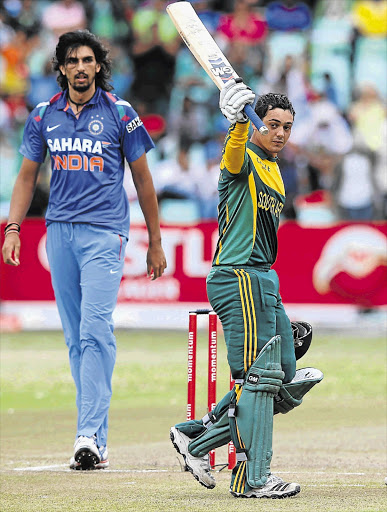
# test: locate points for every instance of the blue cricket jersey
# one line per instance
(87, 157)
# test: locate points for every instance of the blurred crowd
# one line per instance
(328, 56)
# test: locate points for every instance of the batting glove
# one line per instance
(233, 98)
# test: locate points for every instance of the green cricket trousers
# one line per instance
(249, 306)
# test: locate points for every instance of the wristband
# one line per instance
(9, 226)
(11, 231)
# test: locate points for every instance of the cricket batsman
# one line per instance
(243, 289)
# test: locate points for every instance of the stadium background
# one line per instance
(329, 56)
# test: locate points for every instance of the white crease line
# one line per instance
(41, 468)
(336, 485)
(66, 468)
(317, 473)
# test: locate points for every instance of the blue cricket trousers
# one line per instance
(86, 264)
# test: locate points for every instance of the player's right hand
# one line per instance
(233, 97)
(11, 249)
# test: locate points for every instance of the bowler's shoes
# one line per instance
(86, 453)
(274, 488)
(103, 451)
(198, 466)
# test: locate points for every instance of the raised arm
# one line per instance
(142, 178)
(22, 195)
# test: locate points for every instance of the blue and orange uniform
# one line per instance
(87, 231)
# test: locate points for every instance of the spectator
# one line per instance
(190, 80)
(370, 17)
(275, 45)
(290, 79)
(190, 127)
(323, 138)
(6, 31)
(176, 178)
(368, 110)
(381, 175)
(64, 16)
(208, 16)
(154, 50)
(247, 62)
(354, 186)
(27, 18)
(13, 79)
(329, 89)
(288, 15)
(244, 24)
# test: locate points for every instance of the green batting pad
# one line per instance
(210, 437)
(254, 413)
(290, 395)
(191, 428)
(216, 435)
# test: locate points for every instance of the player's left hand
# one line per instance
(233, 97)
(155, 261)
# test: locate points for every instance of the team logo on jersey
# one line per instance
(95, 127)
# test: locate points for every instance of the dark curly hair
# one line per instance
(72, 40)
(271, 101)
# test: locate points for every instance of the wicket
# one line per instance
(212, 371)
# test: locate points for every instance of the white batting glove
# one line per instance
(233, 98)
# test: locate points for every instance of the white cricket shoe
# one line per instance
(274, 488)
(86, 453)
(104, 462)
(103, 451)
(198, 466)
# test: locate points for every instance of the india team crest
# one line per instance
(95, 127)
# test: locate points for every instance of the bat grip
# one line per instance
(249, 111)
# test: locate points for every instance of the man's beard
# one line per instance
(81, 88)
(84, 87)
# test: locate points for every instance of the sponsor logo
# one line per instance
(134, 124)
(113, 271)
(50, 128)
(352, 264)
(77, 144)
(95, 127)
(80, 161)
(220, 68)
(253, 378)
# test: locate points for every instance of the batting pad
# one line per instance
(254, 411)
(290, 395)
(216, 435)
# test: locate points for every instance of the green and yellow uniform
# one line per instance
(242, 287)
(251, 198)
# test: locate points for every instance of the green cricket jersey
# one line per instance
(251, 198)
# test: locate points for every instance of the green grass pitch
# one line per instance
(333, 444)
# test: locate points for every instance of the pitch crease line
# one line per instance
(63, 466)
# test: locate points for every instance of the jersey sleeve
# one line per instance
(135, 139)
(234, 149)
(33, 145)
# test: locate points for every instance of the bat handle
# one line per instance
(249, 111)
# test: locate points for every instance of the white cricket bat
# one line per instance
(202, 45)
